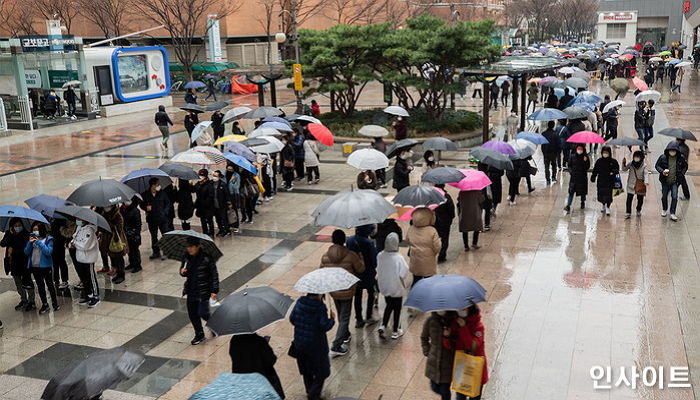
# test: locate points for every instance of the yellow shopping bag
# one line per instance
(467, 373)
(261, 188)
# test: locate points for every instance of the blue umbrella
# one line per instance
(587, 98)
(229, 386)
(26, 215)
(533, 137)
(138, 179)
(241, 150)
(673, 62)
(194, 85)
(277, 125)
(547, 114)
(559, 92)
(47, 205)
(278, 119)
(210, 76)
(445, 292)
(241, 162)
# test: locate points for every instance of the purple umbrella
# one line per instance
(548, 79)
(499, 146)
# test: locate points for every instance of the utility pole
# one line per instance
(295, 37)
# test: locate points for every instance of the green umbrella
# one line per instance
(665, 53)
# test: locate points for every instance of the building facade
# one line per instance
(631, 22)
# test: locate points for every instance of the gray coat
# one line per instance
(634, 175)
(438, 366)
(469, 206)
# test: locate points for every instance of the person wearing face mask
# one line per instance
(469, 207)
(402, 170)
(400, 128)
(671, 167)
(14, 242)
(222, 203)
(685, 152)
(429, 160)
(466, 333)
(132, 230)
(636, 182)
(158, 209)
(424, 244)
(39, 261)
(287, 154)
(579, 163)
(439, 359)
(311, 162)
(185, 205)
(60, 272)
(233, 182)
(605, 170)
(205, 202)
(87, 250)
(367, 180)
(649, 126)
(217, 124)
(117, 246)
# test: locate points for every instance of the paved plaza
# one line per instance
(565, 293)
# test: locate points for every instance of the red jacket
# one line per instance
(469, 338)
(315, 110)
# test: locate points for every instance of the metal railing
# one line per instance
(3, 119)
(25, 111)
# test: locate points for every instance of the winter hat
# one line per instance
(391, 243)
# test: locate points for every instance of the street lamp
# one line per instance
(282, 37)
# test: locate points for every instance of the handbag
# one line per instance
(115, 244)
(288, 164)
(617, 186)
(640, 187)
(467, 373)
(533, 170)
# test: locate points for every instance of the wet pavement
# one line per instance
(565, 293)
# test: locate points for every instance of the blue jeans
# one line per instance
(665, 189)
(641, 132)
(648, 134)
(443, 389)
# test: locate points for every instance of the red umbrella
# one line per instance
(640, 84)
(321, 133)
(585, 137)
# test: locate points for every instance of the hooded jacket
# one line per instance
(339, 256)
(681, 163)
(311, 322)
(424, 243)
(46, 249)
(604, 171)
(384, 228)
(578, 169)
(86, 246)
(392, 269)
(162, 118)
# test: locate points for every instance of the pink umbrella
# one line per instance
(585, 137)
(408, 215)
(640, 84)
(547, 79)
(473, 180)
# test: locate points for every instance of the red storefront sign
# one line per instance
(618, 17)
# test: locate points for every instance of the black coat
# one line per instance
(221, 196)
(162, 119)
(18, 260)
(217, 124)
(444, 214)
(552, 147)
(604, 172)
(578, 169)
(287, 153)
(383, 230)
(161, 207)
(191, 120)
(496, 176)
(183, 198)
(401, 172)
(202, 276)
(69, 96)
(132, 222)
(252, 353)
(681, 163)
(205, 199)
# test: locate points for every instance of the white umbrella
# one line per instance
(199, 129)
(368, 159)
(683, 64)
(192, 157)
(396, 110)
(326, 280)
(373, 131)
(612, 104)
(273, 145)
(213, 153)
(655, 59)
(71, 83)
(264, 132)
(522, 144)
(309, 118)
(566, 70)
(236, 113)
(648, 95)
(353, 208)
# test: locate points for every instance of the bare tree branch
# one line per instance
(17, 18)
(108, 15)
(265, 20)
(66, 10)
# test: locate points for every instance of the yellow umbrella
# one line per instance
(227, 138)
(560, 50)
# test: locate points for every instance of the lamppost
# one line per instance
(281, 37)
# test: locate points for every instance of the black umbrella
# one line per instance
(179, 171)
(216, 106)
(419, 196)
(626, 141)
(678, 133)
(47, 205)
(262, 112)
(174, 244)
(248, 311)
(400, 145)
(140, 179)
(101, 193)
(90, 377)
(193, 107)
(442, 175)
(491, 157)
(440, 144)
(87, 215)
(254, 142)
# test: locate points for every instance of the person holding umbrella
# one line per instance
(222, 203)
(311, 160)
(217, 124)
(640, 119)
(393, 279)
(251, 353)
(636, 182)
(132, 231)
(649, 126)
(550, 153)
(14, 241)
(424, 243)
(379, 145)
(288, 162)
(466, 333)
(469, 207)
(191, 96)
(191, 120)
(579, 163)
(116, 242)
(444, 214)
(211, 90)
(205, 202)
(439, 359)
(38, 250)
(361, 244)
(162, 121)
(185, 206)
(202, 284)
(611, 122)
(157, 206)
(400, 128)
(671, 166)
(299, 155)
(70, 97)
(605, 170)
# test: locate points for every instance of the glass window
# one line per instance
(616, 31)
(133, 73)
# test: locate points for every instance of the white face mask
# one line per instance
(441, 313)
(672, 153)
(158, 188)
(215, 179)
(79, 223)
(431, 159)
(462, 313)
(605, 155)
(579, 152)
(637, 159)
(35, 233)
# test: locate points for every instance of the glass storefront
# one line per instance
(654, 35)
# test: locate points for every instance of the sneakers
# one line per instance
(627, 215)
(94, 302)
(380, 332)
(639, 213)
(549, 182)
(371, 321)
(79, 286)
(338, 351)
(44, 309)
(607, 210)
(475, 247)
(20, 305)
(583, 205)
(63, 285)
(397, 334)
(554, 181)
(602, 210)
(316, 181)
(163, 257)
(309, 182)
(289, 189)
(347, 339)
(198, 339)
(136, 269)
(529, 190)
(117, 280)
(487, 228)
(359, 324)
(128, 267)
(84, 302)
(664, 213)
(112, 272)
(673, 217)
(29, 307)
(56, 307)
(512, 202)
(567, 209)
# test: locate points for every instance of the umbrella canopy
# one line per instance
(199, 129)
(321, 133)
(309, 118)
(292, 117)
(241, 162)
(211, 152)
(277, 126)
(418, 196)
(589, 97)
(88, 378)
(397, 147)
(640, 84)
(647, 95)
(216, 106)
(228, 138)
(548, 79)
(179, 171)
(396, 110)
(576, 112)
(248, 311)
(678, 133)
(665, 53)
(533, 137)
(440, 144)
(585, 137)
(47, 205)
(350, 209)
(491, 158)
(444, 293)
(614, 103)
(87, 215)
(192, 157)
(101, 193)
(236, 113)
(368, 159)
(26, 216)
(499, 146)
(442, 175)
(576, 83)
(173, 244)
(277, 119)
(655, 59)
(626, 141)
(326, 280)
(258, 141)
(71, 83)
(547, 114)
(229, 386)
(273, 145)
(684, 64)
(193, 107)
(194, 85)
(559, 93)
(241, 150)
(264, 131)
(262, 112)
(138, 179)
(620, 85)
(473, 180)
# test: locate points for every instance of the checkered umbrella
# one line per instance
(174, 244)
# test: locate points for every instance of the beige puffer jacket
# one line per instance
(424, 243)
